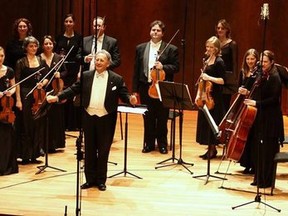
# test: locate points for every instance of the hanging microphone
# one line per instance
(265, 11)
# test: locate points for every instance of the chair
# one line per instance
(280, 157)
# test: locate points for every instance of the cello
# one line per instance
(241, 125)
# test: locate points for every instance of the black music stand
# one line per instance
(215, 130)
(175, 96)
(128, 109)
(42, 113)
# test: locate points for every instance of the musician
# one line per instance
(101, 90)
(229, 54)
(103, 42)
(267, 130)
(8, 153)
(213, 72)
(64, 42)
(56, 131)
(32, 139)
(246, 80)
(155, 119)
(22, 28)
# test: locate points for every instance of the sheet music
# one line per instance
(211, 120)
(135, 110)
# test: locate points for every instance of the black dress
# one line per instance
(72, 64)
(267, 130)
(32, 138)
(56, 134)
(204, 133)
(8, 151)
(246, 159)
(229, 56)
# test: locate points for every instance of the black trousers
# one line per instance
(98, 137)
(155, 119)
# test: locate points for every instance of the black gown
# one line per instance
(204, 133)
(56, 125)
(72, 64)
(267, 130)
(32, 138)
(8, 149)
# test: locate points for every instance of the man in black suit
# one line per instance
(103, 42)
(157, 55)
(101, 91)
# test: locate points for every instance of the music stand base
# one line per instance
(42, 168)
(125, 172)
(258, 200)
(179, 161)
(208, 176)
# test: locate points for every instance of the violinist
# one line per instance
(155, 119)
(56, 112)
(214, 73)
(267, 130)
(246, 80)
(8, 158)
(32, 139)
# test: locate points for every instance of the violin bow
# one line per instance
(57, 65)
(168, 44)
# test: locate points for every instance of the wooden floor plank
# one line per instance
(170, 190)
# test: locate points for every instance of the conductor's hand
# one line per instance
(52, 99)
(133, 100)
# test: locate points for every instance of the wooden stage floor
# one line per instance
(170, 190)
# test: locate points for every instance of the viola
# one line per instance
(7, 115)
(204, 89)
(156, 76)
(39, 97)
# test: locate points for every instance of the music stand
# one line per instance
(175, 96)
(43, 112)
(215, 130)
(128, 109)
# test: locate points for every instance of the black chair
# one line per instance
(280, 157)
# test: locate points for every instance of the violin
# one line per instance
(39, 97)
(7, 115)
(57, 85)
(156, 76)
(204, 88)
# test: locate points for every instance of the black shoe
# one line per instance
(212, 154)
(254, 183)
(102, 187)
(252, 171)
(87, 185)
(246, 170)
(25, 161)
(147, 149)
(204, 155)
(163, 150)
(35, 161)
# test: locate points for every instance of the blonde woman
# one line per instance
(213, 72)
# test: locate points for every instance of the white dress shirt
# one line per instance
(98, 93)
